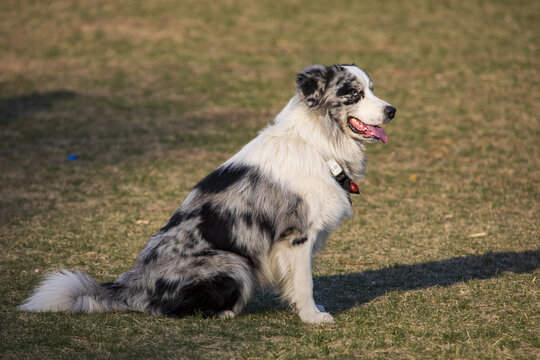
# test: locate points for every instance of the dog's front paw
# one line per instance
(316, 317)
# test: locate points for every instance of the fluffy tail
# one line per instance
(74, 292)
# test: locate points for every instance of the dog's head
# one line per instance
(344, 94)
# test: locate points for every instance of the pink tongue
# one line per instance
(378, 132)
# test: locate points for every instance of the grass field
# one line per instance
(442, 258)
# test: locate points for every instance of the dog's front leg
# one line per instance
(302, 286)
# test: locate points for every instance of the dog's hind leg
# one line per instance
(291, 262)
(215, 285)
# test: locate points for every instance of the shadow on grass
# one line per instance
(343, 292)
(17, 106)
(105, 129)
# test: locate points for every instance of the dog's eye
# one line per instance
(357, 94)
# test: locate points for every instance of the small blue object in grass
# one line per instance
(72, 157)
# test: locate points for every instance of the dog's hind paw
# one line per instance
(226, 314)
(316, 317)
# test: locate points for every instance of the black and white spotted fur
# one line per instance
(252, 222)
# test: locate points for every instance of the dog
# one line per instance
(255, 220)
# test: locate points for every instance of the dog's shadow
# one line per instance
(342, 292)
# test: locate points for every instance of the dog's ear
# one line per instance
(312, 82)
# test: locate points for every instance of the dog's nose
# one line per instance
(390, 111)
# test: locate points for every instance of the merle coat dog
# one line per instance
(255, 220)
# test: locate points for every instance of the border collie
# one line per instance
(255, 220)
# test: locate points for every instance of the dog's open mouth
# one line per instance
(371, 132)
